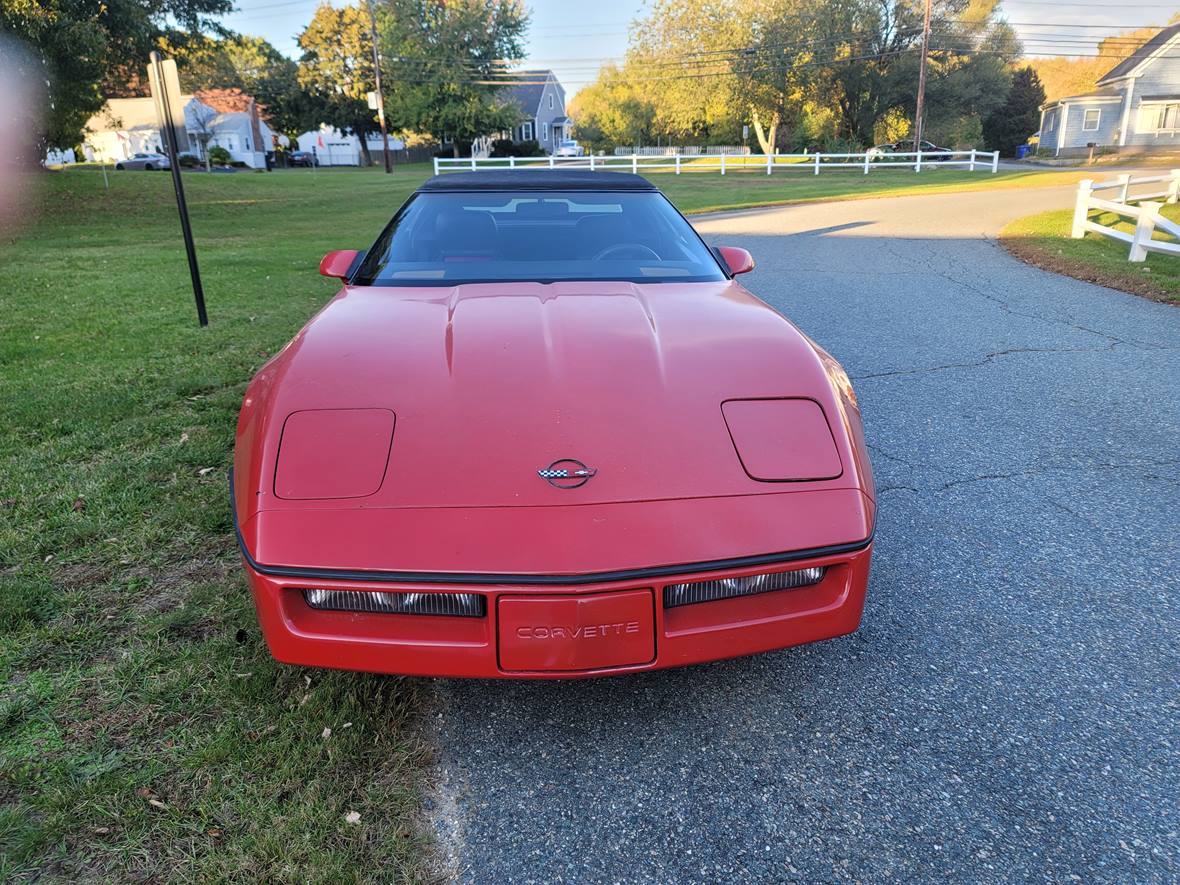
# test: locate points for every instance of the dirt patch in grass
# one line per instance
(1043, 241)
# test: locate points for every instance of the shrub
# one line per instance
(219, 156)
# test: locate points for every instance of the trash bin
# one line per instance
(1023, 151)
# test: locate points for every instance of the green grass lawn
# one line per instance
(1044, 240)
(145, 734)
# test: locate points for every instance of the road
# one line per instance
(1008, 711)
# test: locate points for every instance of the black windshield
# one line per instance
(447, 238)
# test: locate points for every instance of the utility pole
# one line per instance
(377, 83)
(921, 107)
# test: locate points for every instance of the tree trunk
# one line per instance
(766, 139)
(366, 157)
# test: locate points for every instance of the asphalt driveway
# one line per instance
(1009, 710)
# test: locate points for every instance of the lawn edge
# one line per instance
(1032, 253)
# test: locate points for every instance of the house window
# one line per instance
(544, 131)
(550, 102)
(1157, 117)
(526, 132)
(1090, 120)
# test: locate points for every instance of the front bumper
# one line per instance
(554, 631)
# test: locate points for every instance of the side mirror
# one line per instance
(337, 264)
(737, 260)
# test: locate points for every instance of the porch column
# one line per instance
(1126, 113)
(1064, 115)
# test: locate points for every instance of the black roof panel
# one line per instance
(536, 180)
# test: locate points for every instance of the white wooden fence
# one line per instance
(1143, 208)
(917, 161)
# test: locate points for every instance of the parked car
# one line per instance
(569, 148)
(938, 154)
(302, 158)
(144, 161)
(542, 431)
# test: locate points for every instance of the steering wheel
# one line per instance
(644, 251)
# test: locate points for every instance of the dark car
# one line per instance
(931, 153)
(302, 158)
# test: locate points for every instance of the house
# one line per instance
(541, 100)
(213, 118)
(1134, 110)
(333, 148)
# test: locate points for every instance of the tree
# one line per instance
(612, 112)
(87, 50)
(336, 71)
(1013, 122)
(252, 65)
(448, 63)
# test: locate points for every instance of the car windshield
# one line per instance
(440, 239)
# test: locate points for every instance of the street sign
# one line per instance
(170, 115)
(372, 101)
(165, 82)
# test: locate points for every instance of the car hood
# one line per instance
(490, 383)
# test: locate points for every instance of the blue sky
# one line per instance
(573, 36)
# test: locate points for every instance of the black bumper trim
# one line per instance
(637, 574)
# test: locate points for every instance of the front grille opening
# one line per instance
(728, 588)
(464, 605)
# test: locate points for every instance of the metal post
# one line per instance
(181, 206)
(920, 107)
(1081, 208)
(377, 84)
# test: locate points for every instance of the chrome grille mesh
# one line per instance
(468, 605)
(727, 588)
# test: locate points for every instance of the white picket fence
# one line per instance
(917, 161)
(1143, 208)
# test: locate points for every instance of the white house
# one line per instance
(224, 118)
(1134, 110)
(333, 148)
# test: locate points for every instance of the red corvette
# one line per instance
(542, 432)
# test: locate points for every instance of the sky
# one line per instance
(572, 37)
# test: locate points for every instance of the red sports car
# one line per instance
(542, 432)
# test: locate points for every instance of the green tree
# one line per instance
(87, 50)
(254, 66)
(1013, 122)
(611, 112)
(447, 65)
(336, 72)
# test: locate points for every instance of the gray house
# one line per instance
(542, 101)
(1135, 109)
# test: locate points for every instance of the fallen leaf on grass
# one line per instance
(353, 817)
(79, 505)
(205, 471)
(327, 733)
(156, 803)
(102, 831)
(8, 503)
(183, 438)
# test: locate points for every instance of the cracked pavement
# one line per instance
(1009, 709)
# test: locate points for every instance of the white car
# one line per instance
(144, 161)
(568, 148)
